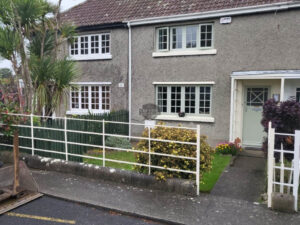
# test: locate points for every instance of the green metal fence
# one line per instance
(89, 124)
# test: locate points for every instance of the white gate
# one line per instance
(283, 173)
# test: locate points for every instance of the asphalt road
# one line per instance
(52, 211)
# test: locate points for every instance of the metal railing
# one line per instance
(102, 133)
(285, 183)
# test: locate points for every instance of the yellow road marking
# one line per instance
(41, 218)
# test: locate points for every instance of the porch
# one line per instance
(249, 91)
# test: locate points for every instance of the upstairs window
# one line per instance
(190, 37)
(90, 47)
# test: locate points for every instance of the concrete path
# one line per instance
(206, 209)
(245, 180)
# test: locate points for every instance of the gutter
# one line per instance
(129, 76)
(218, 13)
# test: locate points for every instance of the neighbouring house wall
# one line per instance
(254, 42)
(113, 70)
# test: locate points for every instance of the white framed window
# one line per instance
(191, 99)
(186, 38)
(163, 39)
(89, 47)
(93, 97)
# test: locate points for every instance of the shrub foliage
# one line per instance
(183, 135)
(285, 118)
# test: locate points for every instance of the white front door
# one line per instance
(253, 132)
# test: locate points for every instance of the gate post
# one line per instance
(198, 160)
(271, 141)
(296, 167)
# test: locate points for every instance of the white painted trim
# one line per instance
(282, 89)
(185, 52)
(267, 76)
(205, 119)
(218, 13)
(86, 112)
(90, 57)
(185, 83)
(91, 83)
(232, 104)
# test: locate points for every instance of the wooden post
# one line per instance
(16, 183)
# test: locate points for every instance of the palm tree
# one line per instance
(30, 38)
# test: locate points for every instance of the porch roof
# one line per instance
(267, 74)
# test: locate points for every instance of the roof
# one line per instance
(97, 12)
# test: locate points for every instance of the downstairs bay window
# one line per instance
(192, 100)
(89, 98)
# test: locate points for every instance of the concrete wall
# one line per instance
(113, 70)
(256, 42)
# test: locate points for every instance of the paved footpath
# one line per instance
(205, 209)
(245, 180)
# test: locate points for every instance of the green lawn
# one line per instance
(209, 179)
(118, 155)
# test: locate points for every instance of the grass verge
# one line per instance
(117, 155)
(209, 179)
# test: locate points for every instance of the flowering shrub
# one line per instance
(183, 135)
(232, 148)
(10, 103)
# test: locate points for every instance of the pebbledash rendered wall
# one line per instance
(253, 42)
(113, 70)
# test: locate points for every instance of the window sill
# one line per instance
(90, 57)
(73, 112)
(184, 53)
(205, 119)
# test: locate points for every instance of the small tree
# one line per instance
(30, 35)
(10, 104)
(285, 118)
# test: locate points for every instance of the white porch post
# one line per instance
(232, 108)
(282, 89)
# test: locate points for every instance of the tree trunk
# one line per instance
(16, 183)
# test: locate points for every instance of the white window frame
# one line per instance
(182, 107)
(168, 39)
(80, 111)
(91, 56)
(184, 48)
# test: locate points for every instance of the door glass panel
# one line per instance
(257, 96)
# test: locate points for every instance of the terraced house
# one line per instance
(213, 62)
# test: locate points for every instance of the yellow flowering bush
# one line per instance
(232, 148)
(177, 134)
